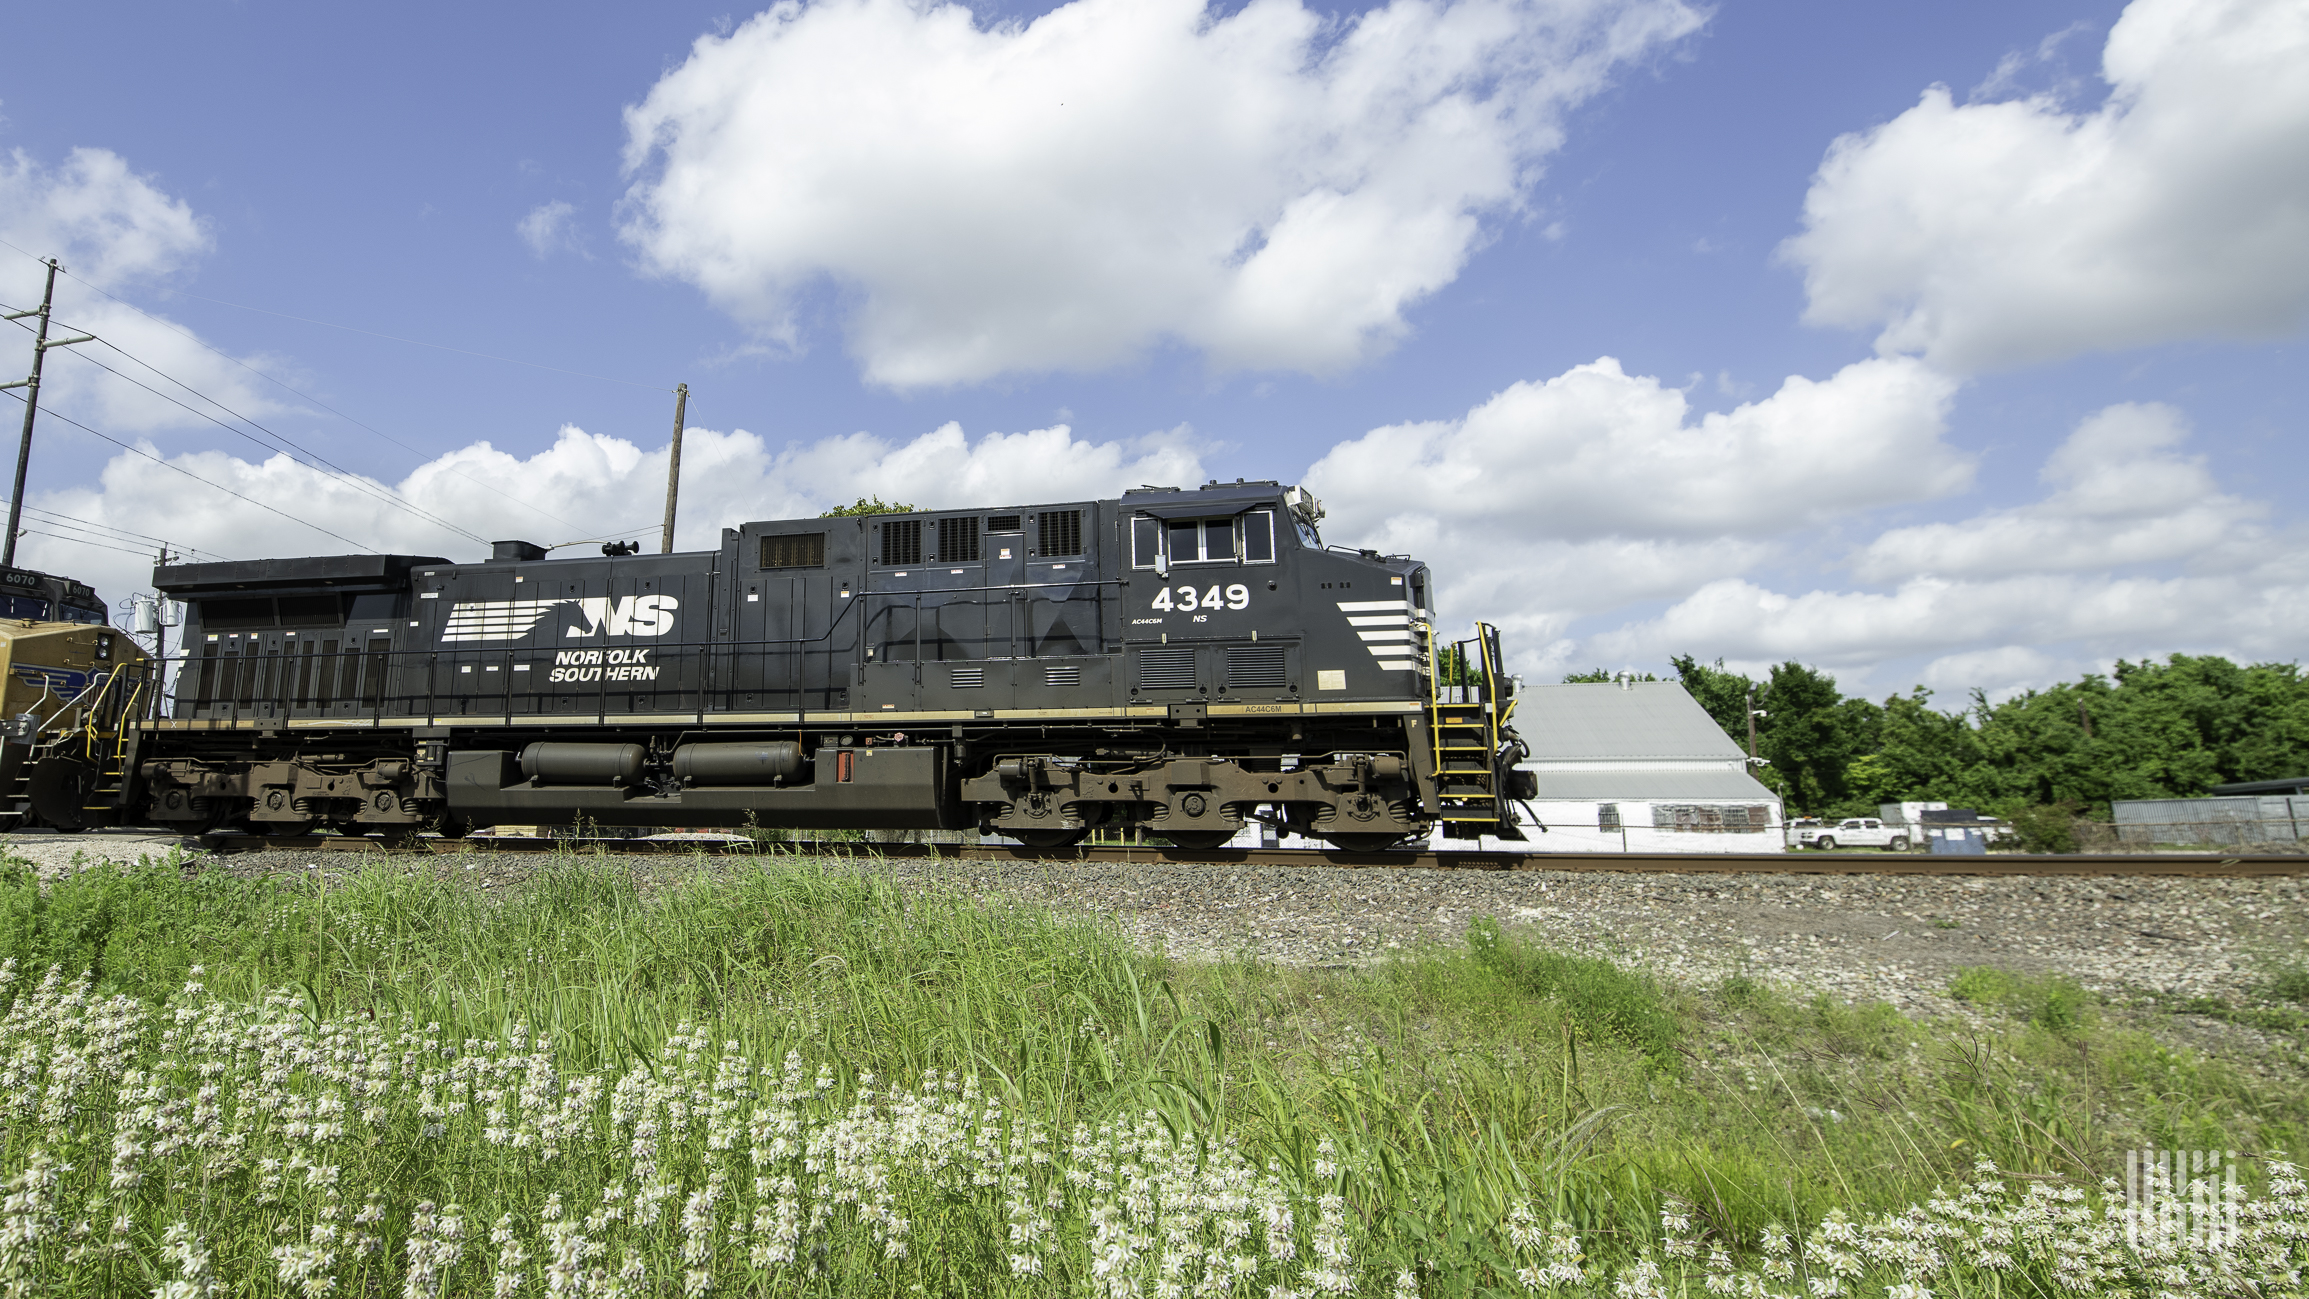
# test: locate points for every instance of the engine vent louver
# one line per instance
(1166, 669)
(1257, 668)
(1060, 532)
(1069, 675)
(969, 678)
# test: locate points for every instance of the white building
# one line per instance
(1638, 766)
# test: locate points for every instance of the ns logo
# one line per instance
(498, 621)
(633, 615)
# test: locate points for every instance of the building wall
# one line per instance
(1580, 826)
(2239, 820)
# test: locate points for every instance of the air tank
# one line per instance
(551, 762)
(772, 762)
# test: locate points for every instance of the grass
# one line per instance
(1429, 1096)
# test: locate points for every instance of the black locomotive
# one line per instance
(1180, 661)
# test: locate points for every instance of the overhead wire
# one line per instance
(198, 341)
(208, 482)
(102, 533)
(81, 541)
(280, 443)
(55, 519)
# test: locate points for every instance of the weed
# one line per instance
(2048, 1002)
(2291, 983)
(1605, 1001)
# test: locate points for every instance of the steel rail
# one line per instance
(2209, 865)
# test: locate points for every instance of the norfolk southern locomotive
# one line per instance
(1175, 661)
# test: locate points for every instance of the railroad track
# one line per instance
(1793, 863)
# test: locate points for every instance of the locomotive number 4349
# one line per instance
(1187, 599)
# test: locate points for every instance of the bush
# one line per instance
(2050, 828)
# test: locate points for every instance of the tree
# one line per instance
(1812, 733)
(1724, 694)
(1922, 753)
(1601, 676)
(869, 505)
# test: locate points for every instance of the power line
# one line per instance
(279, 442)
(119, 533)
(219, 486)
(79, 541)
(198, 341)
(106, 533)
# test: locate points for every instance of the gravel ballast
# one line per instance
(1854, 937)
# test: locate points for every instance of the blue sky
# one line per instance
(2041, 331)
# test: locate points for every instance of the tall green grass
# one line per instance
(1468, 1077)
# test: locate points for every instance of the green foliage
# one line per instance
(2048, 1002)
(2152, 729)
(1602, 676)
(1810, 734)
(869, 505)
(1603, 1000)
(2291, 983)
(2045, 829)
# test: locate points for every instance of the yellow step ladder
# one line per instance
(1463, 698)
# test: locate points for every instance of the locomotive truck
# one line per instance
(1179, 662)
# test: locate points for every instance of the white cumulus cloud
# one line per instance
(1990, 235)
(1264, 185)
(2121, 496)
(1569, 497)
(2133, 551)
(114, 229)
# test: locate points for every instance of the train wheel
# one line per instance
(1198, 840)
(1048, 839)
(1362, 842)
(454, 827)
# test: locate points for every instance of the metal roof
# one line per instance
(1725, 786)
(1644, 719)
(2294, 785)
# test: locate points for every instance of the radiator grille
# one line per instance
(966, 678)
(1257, 668)
(957, 541)
(1061, 532)
(1002, 523)
(902, 541)
(1070, 675)
(1167, 669)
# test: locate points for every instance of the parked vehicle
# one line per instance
(1853, 832)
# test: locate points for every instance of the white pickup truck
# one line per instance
(1852, 832)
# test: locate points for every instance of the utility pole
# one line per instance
(160, 635)
(673, 472)
(1751, 723)
(31, 407)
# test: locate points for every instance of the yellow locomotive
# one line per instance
(71, 690)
